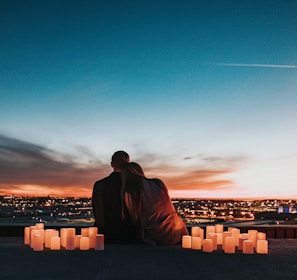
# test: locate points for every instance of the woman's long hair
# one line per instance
(132, 182)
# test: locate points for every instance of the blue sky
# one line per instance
(201, 93)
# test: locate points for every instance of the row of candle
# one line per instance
(39, 238)
(229, 240)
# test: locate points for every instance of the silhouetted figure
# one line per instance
(107, 204)
(150, 208)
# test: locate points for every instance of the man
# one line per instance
(107, 204)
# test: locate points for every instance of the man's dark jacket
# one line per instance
(107, 210)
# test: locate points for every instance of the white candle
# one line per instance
(49, 233)
(55, 243)
(219, 238)
(27, 235)
(186, 241)
(261, 236)
(196, 242)
(213, 237)
(262, 246)
(70, 239)
(253, 236)
(84, 243)
(63, 234)
(31, 229)
(77, 241)
(207, 245)
(210, 229)
(39, 225)
(99, 245)
(202, 233)
(235, 233)
(195, 231)
(242, 237)
(219, 228)
(225, 234)
(93, 231)
(37, 238)
(229, 245)
(85, 232)
(247, 247)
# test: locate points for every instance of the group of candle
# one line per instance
(229, 241)
(39, 238)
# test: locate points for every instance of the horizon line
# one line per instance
(255, 65)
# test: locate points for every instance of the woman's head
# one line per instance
(134, 168)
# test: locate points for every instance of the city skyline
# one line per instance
(202, 94)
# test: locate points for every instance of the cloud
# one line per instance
(24, 165)
(255, 65)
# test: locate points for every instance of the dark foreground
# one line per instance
(18, 261)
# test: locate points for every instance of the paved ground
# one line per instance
(18, 261)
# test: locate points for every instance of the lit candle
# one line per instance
(39, 226)
(262, 246)
(229, 245)
(77, 241)
(210, 229)
(55, 243)
(235, 233)
(196, 242)
(93, 231)
(242, 237)
(99, 245)
(247, 247)
(225, 234)
(37, 238)
(207, 245)
(49, 233)
(195, 231)
(31, 229)
(85, 232)
(253, 236)
(219, 228)
(27, 235)
(70, 239)
(219, 238)
(84, 243)
(213, 237)
(63, 234)
(261, 236)
(202, 233)
(186, 241)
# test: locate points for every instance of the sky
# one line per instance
(202, 94)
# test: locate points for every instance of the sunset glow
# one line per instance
(202, 94)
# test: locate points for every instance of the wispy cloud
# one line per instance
(255, 65)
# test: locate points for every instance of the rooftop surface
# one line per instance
(18, 261)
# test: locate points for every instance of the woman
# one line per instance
(147, 204)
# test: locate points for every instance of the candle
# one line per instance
(85, 232)
(210, 229)
(247, 247)
(262, 246)
(84, 243)
(202, 233)
(70, 239)
(93, 231)
(207, 245)
(195, 231)
(55, 243)
(219, 228)
(186, 241)
(77, 241)
(31, 229)
(196, 242)
(225, 234)
(242, 237)
(27, 235)
(213, 237)
(48, 234)
(63, 234)
(235, 233)
(219, 238)
(253, 236)
(37, 238)
(39, 226)
(229, 245)
(261, 236)
(99, 245)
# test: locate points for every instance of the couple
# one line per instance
(130, 208)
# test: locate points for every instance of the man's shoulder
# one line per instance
(107, 180)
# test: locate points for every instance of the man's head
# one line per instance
(119, 159)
